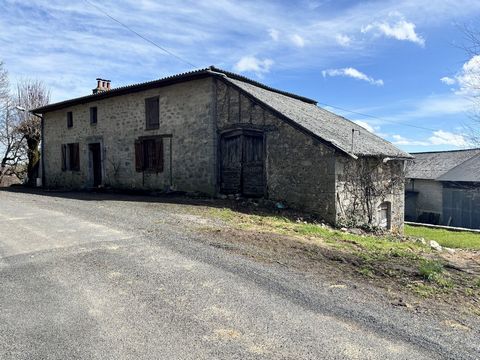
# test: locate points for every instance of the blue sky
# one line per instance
(401, 62)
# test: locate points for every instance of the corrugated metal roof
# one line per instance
(432, 165)
(300, 111)
(468, 171)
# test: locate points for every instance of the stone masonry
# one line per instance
(300, 170)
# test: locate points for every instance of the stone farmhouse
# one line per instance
(217, 132)
(443, 188)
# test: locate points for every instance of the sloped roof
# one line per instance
(432, 165)
(468, 171)
(300, 111)
(327, 126)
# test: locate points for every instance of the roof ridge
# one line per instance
(121, 90)
(445, 151)
(451, 170)
(262, 85)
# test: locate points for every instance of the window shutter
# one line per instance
(152, 113)
(76, 157)
(64, 157)
(138, 156)
(159, 154)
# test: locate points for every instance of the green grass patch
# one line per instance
(448, 238)
(368, 247)
(371, 256)
(429, 269)
(422, 290)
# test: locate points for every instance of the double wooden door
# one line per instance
(242, 163)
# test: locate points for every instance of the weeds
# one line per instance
(430, 269)
(371, 255)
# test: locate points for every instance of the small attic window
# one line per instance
(69, 119)
(93, 115)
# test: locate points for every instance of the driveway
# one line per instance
(88, 276)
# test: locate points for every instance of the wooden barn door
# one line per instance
(252, 167)
(231, 163)
(242, 163)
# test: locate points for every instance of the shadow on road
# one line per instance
(260, 207)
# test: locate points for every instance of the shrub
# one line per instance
(430, 269)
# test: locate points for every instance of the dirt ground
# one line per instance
(397, 277)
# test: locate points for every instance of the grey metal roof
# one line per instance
(432, 165)
(300, 111)
(468, 171)
(327, 126)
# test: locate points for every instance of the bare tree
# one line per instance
(11, 141)
(12, 145)
(469, 81)
(31, 94)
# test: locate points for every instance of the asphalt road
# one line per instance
(118, 277)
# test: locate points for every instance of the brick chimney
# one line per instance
(102, 85)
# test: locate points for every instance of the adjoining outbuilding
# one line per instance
(443, 188)
(216, 132)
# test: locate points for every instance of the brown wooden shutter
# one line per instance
(138, 156)
(152, 113)
(64, 157)
(159, 154)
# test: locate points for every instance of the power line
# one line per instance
(140, 35)
(378, 118)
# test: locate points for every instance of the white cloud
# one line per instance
(400, 30)
(448, 80)
(438, 137)
(79, 49)
(297, 40)
(343, 40)
(365, 125)
(253, 64)
(353, 73)
(468, 78)
(441, 137)
(274, 34)
(400, 140)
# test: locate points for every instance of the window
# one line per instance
(93, 115)
(152, 113)
(71, 157)
(149, 154)
(69, 119)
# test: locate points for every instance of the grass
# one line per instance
(429, 269)
(407, 262)
(368, 247)
(448, 238)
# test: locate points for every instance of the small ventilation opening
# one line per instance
(384, 215)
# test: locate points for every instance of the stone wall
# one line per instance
(185, 115)
(365, 183)
(299, 170)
